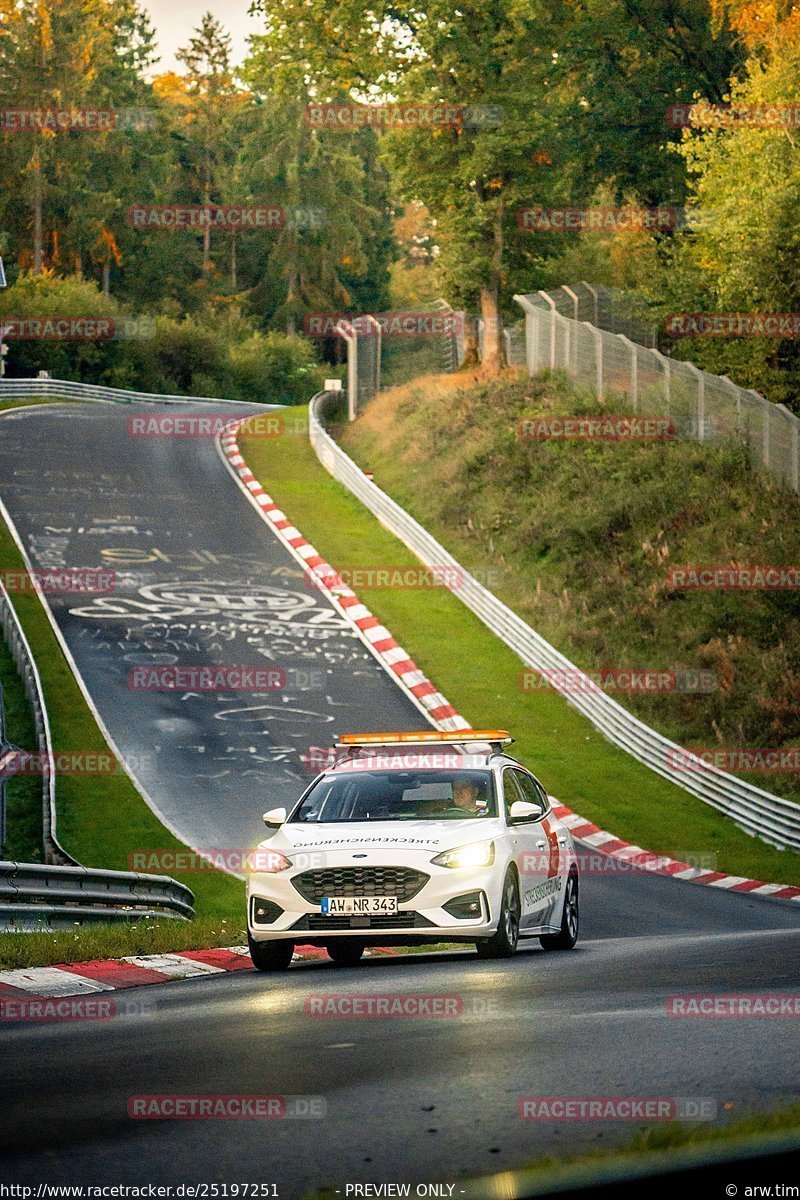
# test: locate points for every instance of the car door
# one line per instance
(530, 849)
(552, 843)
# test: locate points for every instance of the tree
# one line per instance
(746, 177)
(333, 253)
(70, 56)
(591, 79)
(214, 100)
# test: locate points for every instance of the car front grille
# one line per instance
(399, 920)
(402, 882)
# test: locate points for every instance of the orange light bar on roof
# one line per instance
(458, 737)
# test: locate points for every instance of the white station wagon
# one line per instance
(414, 838)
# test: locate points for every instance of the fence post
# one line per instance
(552, 306)
(598, 358)
(765, 409)
(346, 330)
(531, 332)
(700, 418)
(378, 345)
(575, 301)
(738, 397)
(665, 369)
(453, 342)
(593, 293)
(570, 339)
(634, 371)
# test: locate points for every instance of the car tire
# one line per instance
(345, 952)
(503, 943)
(570, 920)
(271, 956)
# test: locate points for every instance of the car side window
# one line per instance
(531, 792)
(542, 794)
(511, 792)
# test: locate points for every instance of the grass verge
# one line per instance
(670, 1137)
(480, 676)
(579, 536)
(90, 942)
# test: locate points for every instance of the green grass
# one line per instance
(579, 538)
(91, 942)
(102, 818)
(479, 676)
(657, 1144)
(23, 792)
(674, 1136)
(32, 401)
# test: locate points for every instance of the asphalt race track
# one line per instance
(407, 1099)
(200, 580)
(414, 1099)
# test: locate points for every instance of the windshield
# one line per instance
(399, 796)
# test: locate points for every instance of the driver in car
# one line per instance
(465, 795)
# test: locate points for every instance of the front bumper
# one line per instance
(423, 917)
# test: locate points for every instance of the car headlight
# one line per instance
(477, 854)
(268, 862)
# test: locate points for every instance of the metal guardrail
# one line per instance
(759, 813)
(17, 643)
(703, 407)
(46, 897)
(13, 389)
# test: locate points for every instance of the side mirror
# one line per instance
(522, 811)
(275, 818)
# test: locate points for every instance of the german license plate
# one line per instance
(365, 906)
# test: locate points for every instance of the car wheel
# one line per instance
(271, 956)
(503, 943)
(344, 952)
(570, 916)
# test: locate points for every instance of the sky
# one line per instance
(174, 21)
